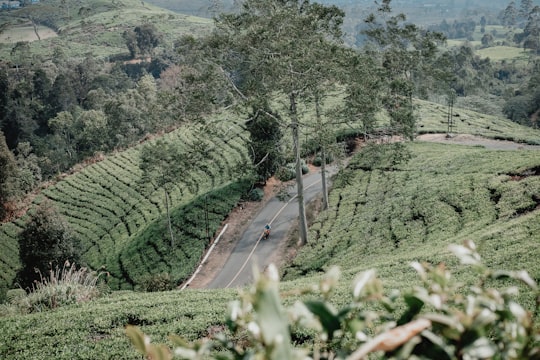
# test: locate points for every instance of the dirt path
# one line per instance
(466, 139)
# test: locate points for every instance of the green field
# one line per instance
(108, 208)
(94, 29)
(120, 220)
(381, 216)
(445, 194)
(499, 50)
(378, 218)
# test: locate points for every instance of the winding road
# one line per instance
(251, 249)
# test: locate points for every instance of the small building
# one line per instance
(6, 5)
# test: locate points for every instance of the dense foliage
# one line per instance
(444, 179)
(58, 287)
(46, 242)
(283, 61)
(435, 320)
(109, 204)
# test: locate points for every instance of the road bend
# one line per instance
(251, 250)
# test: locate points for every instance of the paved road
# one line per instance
(251, 249)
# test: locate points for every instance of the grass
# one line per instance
(500, 50)
(378, 219)
(61, 287)
(97, 329)
(386, 219)
(432, 118)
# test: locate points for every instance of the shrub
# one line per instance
(288, 172)
(46, 239)
(256, 194)
(435, 320)
(65, 286)
(285, 173)
(317, 161)
(157, 282)
(382, 156)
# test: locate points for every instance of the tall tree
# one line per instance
(510, 14)
(531, 33)
(8, 171)
(28, 167)
(275, 49)
(148, 38)
(4, 95)
(62, 96)
(161, 164)
(46, 242)
(405, 52)
(525, 8)
(142, 40)
(266, 136)
(363, 89)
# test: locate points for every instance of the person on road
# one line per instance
(267, 228)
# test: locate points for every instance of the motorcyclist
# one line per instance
(267, 228)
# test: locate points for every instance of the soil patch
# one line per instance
(25, 33)
(466, 139)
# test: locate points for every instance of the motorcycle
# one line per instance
(266, 232)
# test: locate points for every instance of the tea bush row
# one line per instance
(443, 193)
(107, 200)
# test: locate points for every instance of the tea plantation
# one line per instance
(379, 218)
(119, 218)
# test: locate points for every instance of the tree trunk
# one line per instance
(323, 154)
(299, 181)
(169, 218)
(323, 178)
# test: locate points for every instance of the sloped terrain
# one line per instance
(385, 218)
(94, 27)
(117, 217)
(378, 219)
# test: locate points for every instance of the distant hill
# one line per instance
(409, 7)
(94, 27)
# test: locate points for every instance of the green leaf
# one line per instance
(449, 321)
(361, 281)
(271, 318)
(481, 348)
(328, 318)
(137, 338)
(415, 304)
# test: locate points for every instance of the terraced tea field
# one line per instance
(385, 218)
(116, 215)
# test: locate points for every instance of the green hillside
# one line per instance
(390, 205)
(114, 216)
(385, 218)
(119, 219)
(92, 28)
(378, 218)
(433, 118)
